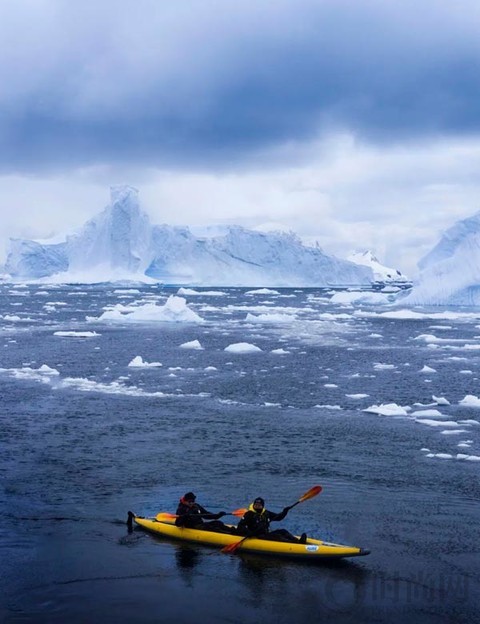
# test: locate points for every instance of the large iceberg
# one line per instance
(450, 273)
(121, 243)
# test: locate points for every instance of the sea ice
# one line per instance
(138, 362)
(193, 344)
(242, 347)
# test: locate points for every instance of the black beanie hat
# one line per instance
(259, 500)
(189, 496)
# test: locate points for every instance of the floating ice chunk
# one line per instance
(426, 450)
(330, 407)
(440, 400)
(387, 409)
(46, 370)
(366, 298)
(262, 291)
(465, 372)
(193, 344)
(138, 362)
(76, 334)
(279, 351)
(357, 396)
(436, 423)
(191, 292)
(427, 369)
(210, 368)
(175, 310)
(469, 421)
(470, 400)
(242, 347)
(330, 385)
(472, 458)
(380, 366)
(440, 455)
(453, 431)
(433, 413)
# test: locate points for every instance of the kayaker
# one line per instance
(256, 522)
(191, 515)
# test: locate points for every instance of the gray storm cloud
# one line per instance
(211, 84)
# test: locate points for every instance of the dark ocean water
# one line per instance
(80, 448)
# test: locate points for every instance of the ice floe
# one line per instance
(175, 310)
(76, 334)
(195, 293)
(193, 344)
(138, 362)
(242, 347)
(387, 409)
(262, 291)
(470, 400)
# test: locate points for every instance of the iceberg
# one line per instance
(450, 272)
(121, 243)
(381, 273)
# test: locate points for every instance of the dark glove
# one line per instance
(286, 510)
(221, 514)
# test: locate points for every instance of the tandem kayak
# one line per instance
(312, 549)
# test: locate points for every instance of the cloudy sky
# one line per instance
(353, 122)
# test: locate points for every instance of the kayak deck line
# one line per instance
(312, 549)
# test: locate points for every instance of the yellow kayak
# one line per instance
(313, 549)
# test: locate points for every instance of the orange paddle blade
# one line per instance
(239, 512)
(316, 489)
(231, 548)
(165, 515)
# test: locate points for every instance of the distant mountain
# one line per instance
(121, 243)
(450, 273)
(381, 273)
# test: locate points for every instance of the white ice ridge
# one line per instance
(138, 362)
(262, 291)
(121, 243)
(195, 293)
(175, 310)
(76, 334)
(242, 347)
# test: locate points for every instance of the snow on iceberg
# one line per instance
(450, 272)
(121, 243)
(381, 273)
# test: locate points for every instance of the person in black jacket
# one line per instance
(256, 523)
(191, 515)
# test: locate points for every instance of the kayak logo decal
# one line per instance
(311, 548)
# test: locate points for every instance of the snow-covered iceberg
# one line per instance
(450, 273)
(121, 243)
(381, 273)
